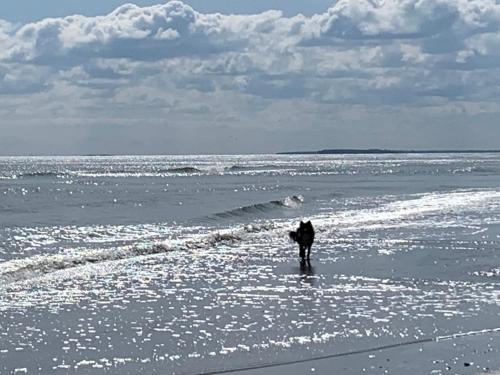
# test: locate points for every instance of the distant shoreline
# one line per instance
(340, 151)
(350, 151)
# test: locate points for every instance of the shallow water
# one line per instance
(182, 264)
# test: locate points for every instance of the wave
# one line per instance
(34, 174)
(484, 170)
(39, 265)
(238, 167)
(293, 201)
(182, 170)
(495, 272)
(431, 209)
(416, 210)
(147, 172)
(25, 269)
(186, 239)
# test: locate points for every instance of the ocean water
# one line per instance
(182, 264)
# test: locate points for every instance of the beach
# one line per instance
(188, 268)
(464, 355)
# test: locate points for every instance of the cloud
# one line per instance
(5, 28)
(405, 19)
(151, 33)
(357, 38)
(19, 79)
(128, 32)
(169, 62)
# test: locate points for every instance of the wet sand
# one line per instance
(231, 307)
(478, 354)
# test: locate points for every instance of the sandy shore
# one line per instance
(227, 307)
(479, 354)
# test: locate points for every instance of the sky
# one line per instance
(234, 76)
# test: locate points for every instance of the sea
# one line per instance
(183, 264)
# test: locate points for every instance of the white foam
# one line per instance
(416, 207)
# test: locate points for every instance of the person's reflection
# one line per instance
(306, 272)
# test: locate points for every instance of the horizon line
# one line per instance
(335, 151)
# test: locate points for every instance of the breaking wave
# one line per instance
(39, 265)
(495, 272)
(293, 201)
(147, 172)
(42, 174)
(182, 170)
(416, 210)
(244, 169)
(19, 270)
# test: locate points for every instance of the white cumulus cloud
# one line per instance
(169, 61)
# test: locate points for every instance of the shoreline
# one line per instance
(469, 354)
(377, 151)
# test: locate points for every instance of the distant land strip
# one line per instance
(353, 151)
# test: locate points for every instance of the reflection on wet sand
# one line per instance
(306, 272)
